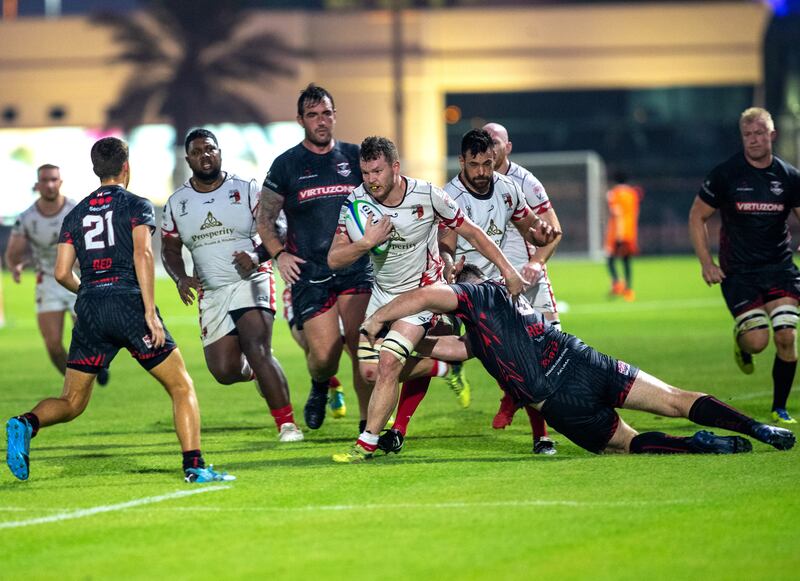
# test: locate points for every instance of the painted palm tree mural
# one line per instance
(195, 62)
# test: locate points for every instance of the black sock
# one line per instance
(782, 378)
(33, 420)
(193, 459)
(660, 443)
(612, 269)
(321, 386)
(626, 264)
(362, 425)
(709, 411)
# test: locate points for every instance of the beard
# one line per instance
(209, 176)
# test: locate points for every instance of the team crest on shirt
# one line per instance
(343, 169)
(418, 210)
(507, 199)
(776, 188)
(182, 204)
(235, 197)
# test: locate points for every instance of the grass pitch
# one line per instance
(461, 502)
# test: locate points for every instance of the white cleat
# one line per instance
(290, 433)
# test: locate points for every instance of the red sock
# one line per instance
(283, 415)
(334, 382)
(439, 369)
(538, 427)
(411, 395)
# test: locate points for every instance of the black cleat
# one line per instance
(391, 441)
(704, 442)
(314, 410)
(544, 446)
(102, 377)
(779, 438)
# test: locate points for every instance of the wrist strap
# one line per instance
(278, 253)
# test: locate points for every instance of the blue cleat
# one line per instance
(18, 447)
(778, 438)
(202, 475)
(705, 442)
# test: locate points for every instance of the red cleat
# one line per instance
(505, 415)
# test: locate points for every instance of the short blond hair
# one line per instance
(754, 114)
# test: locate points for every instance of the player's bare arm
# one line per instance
(15, 255)
(446, 348)
(268, 211)
(63, 273)
(447, 240)
(171, 257)
(486, 246)
(438, 298)
(144, 265)
(532, 271)
(698, 232)
(344, 252)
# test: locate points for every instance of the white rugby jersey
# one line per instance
(492, 212)
(413, 257)
(514, 246)
(42, 234)
(214, 225)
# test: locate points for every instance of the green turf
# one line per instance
(461, 502)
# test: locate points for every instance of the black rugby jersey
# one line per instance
(100, 228)
(528, 357)
(754, 205)
(314, 187)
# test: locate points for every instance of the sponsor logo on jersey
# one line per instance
(394, 236)
(469, 212)
(210, 222)
(776, 188)
(211, 201)
(343, 169)
(757, 207)
(493, 230)
(418, 210)
(322, 191)
(307, 175)
(148, 341)
(182, 204)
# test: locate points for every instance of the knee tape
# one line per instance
(784, 317)
(752, 319)
(397, 345)
(367, 353)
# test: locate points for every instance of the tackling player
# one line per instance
(755, 192)
(109, 233)
(574, 386)
(309, 182)
(412, 212)
(213, 215)
(37, 229)
(529, 260)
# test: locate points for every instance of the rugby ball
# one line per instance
(359, 214)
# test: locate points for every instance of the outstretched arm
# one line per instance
(438, 298)
(486, 246)
(446, 348)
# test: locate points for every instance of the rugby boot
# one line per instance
(314, 410)
(505, 415)
(781, 416)
(779, 438)
(457, 381)
(545, 446)
(203, 475)
(289, 432)
(337, 403)
(355, 455)
(704, 442)
(18, 447)
(744, 360)
(391, 441)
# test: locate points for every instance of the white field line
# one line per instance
(73, 514)
(419, 506)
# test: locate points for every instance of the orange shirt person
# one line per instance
(622, 233)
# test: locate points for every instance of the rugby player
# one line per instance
(309, 182)
(574, 386)
(754, 192)
(213, 215)
(530, 261)
(37, 229)
(622, 234)
(109, 233)
(412, 211)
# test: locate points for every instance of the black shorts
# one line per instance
(104, 325)
(744, 292)
(315, 297)
(582, 409)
